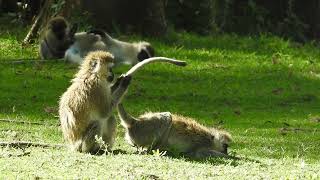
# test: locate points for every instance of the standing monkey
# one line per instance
(174, 133)
(85, 109)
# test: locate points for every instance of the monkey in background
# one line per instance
(85, 109)
(57, 38)
(123, 52)
(174, 133)
(60, 41)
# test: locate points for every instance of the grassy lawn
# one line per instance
(264, 90)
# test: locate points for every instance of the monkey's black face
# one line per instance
(65, 36)
(225, 148)
(110, 75)
(145, 53)
(61, 34)
(66, 40)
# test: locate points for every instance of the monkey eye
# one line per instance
(94, 63)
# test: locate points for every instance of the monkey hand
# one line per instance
(97, 32)
(117, 83)
(122, 81)
(125, 80)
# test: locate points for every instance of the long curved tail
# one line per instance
(126, 119)
(136, 67)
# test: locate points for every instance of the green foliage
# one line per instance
(57, 6)
(292, 26)
(284, 18)
(191, 15)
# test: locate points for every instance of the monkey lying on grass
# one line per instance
(174, 133)
(60, 40)
(123, 52)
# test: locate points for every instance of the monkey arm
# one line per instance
(119, 89)
(116, 84)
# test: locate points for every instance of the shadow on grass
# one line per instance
(229, 160)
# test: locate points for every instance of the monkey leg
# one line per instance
(89, 143)
(109, 132)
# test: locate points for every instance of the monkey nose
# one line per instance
(110, 77)
(225, 149)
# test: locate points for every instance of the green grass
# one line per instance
(264, 90)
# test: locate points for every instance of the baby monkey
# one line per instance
(174, 133)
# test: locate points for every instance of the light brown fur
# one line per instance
(85, 109)
(171, 132)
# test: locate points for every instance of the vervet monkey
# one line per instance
(85, 109)
(123, 52)
(60, 41)
(57, 38)
(174, 133)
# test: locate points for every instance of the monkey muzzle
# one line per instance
(110, 76)
(225, 149)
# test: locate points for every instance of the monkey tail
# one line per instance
(126, 119)
(136, 67)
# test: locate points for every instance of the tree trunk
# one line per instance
(155, 21)
(143, 16)
(37, 22)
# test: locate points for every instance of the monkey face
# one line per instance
(63, 33)
(225, 148)
(58, 38)
(221, 141)
(67, 37)
(110, 75)
(220, 147)
(146, 51)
